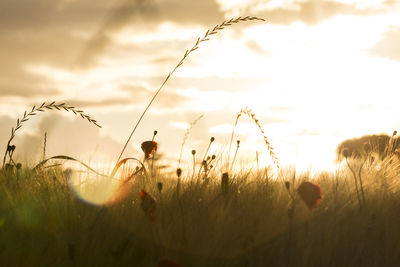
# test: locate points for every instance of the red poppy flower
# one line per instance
(149, 147)
(310, 193)
(149, 204)
(122, 192)
(167, 263)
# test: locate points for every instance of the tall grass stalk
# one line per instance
(248, 112)
(236, 151)
(200, 40)
(186, 136)
(355, 183)
(205, 154)
(42, 108)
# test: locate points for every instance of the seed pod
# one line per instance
(287, 185)
(179, 172)
(225, 183)
(160, 186)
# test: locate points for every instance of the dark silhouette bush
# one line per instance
(382, 145)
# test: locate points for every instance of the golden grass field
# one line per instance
(212, 212)
(43, 223)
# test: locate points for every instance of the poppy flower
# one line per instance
(121, 193)
(149, 204)
(167, 263)
(310, 193)
(149, 147)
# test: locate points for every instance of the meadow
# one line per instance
(253, 222)
(211, 213)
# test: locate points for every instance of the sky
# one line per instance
(314, 74)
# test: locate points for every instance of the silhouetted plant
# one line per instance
(43, 107)
(251, 115)
(225, 184)
(205, 38)
(383, 145)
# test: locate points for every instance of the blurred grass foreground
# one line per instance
(49, 218)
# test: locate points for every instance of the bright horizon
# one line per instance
(315, 74)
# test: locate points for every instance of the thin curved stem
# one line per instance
(355, 182)
(206, 36)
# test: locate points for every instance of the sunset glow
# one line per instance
(315, 73)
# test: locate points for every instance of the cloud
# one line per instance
(63, 34)
(16, 82)
(117, 18)
(133, 95)
(313, 12)
(213, 83)
(388, 46)
(113, 101)
(122, 15)
(254, 46)
(25, 91)
(162, 60)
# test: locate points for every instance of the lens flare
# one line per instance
(99, 189)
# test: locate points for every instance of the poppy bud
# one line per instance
(287, 185)
(148, 204)
(11, 148)
(225, 183)
(179, 172)
(160, 186)
(149, 147)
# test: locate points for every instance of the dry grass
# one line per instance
(186, 136)
(245, 219)
(44, 223)
(199, 40)
(251, 115)
(42, 108)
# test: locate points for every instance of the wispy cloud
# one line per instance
(388, 46)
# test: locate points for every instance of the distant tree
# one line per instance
(382, 145)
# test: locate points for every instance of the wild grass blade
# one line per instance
(205, 38)
(42, 108)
